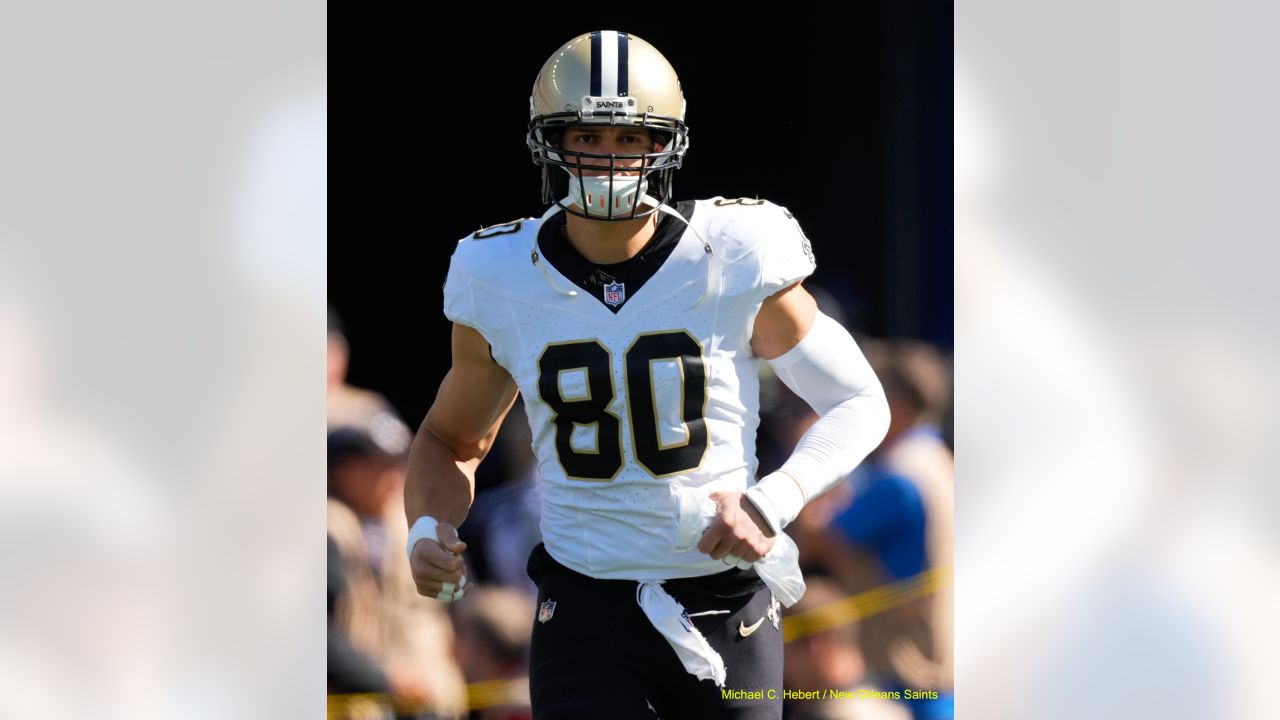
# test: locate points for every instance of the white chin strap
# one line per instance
(596, 202)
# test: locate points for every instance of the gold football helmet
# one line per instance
(608, 78)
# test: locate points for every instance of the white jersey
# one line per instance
(640, 388)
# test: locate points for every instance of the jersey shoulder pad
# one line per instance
(488, 257)
(764, 236)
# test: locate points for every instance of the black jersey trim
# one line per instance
(633, 273)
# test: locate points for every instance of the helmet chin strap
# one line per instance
(537, 260)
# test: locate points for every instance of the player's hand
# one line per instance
(436, 563)
(738, 530)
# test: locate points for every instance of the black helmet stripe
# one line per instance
(595, 64)
(608, 64)
(622, 64)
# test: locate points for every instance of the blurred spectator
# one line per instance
(350, 671)
(493, 626)
(376, 613)
(830, 659)
(350, 406)
(894, 521)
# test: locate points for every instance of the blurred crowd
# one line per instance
(875, 623)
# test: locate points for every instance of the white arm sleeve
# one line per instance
(828, 371)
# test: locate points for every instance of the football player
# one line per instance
(634, 326)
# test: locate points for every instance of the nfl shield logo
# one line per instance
(615, 293)
(546, 611)
(685, 621)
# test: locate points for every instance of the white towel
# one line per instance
(779, 569)
(670, 619)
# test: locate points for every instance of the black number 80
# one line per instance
(590, 408)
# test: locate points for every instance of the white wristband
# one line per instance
(778, 498)
(423, 529)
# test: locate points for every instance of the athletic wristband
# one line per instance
(778, 498)
(423, 528)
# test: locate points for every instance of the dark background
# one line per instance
(843, 117)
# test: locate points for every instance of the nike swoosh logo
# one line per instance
(746, 631)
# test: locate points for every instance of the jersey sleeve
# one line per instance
(484, 271)
(786, 256)
(459, 292)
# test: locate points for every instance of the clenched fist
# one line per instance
(438, 569)
(739, 532)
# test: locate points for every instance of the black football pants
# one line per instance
(598, 656)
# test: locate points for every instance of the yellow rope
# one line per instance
(863, 605)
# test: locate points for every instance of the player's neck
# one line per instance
(606, 243)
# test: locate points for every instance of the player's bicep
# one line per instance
(475, 396)
(782, 322)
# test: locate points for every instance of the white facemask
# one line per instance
(626, 188)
